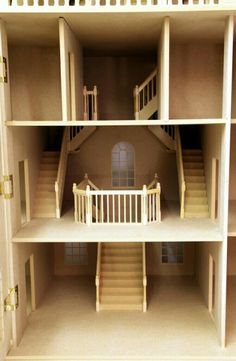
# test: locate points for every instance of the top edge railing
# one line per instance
(31, 4)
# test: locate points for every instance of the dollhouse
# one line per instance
(117, 180)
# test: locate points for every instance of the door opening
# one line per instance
(212, 285)
(24, 191)
(29, 285)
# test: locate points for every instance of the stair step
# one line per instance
(121, 291)
(45, 200)
(116, 267)
(192, 158)
(196, 200)
(196, 215)
(45, 194)
(120, 274)
(44, 187)
(121, 307)
(49, 153)
(48, 173)
(195, 193)
(46, 179)
(196, 208)
(124, 259)
(193, 165)
(121, 299)
(48, 166)
(122, 252)
(193, 172)
(195, 179)
(195, 186)
(191, 151)
(119, 282)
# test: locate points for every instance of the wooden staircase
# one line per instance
(196, 203)
(44, 202)
(122, 274)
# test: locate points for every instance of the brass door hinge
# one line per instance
(11, 302)
(3, 70)
(6, 187)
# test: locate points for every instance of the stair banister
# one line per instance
(144, 94)
(97, 281)
(61, 173)
(154, 182)
(88, 206)
(144, 279)
(144, 208)
(180, 169)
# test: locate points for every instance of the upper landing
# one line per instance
(58, 6)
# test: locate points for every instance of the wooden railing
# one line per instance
(90, 103)
(51, 4)
(97, 280)
(61, 173)
(169, 130)
(117, 206)
(180, 169)
(144, 94)
(144, 279)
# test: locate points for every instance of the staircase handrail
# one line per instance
(144, 279)
(61, 172)
(98, 274)
(86, 181)
(153, 183)
(180, 169)
(147, 80)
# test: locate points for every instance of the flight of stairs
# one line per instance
(44, 202)
(196, 203)
(121, 279)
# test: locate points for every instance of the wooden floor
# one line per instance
(176, 326)
(171, 229)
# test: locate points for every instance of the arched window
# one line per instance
(123, 165)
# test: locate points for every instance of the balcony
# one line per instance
(111, 5)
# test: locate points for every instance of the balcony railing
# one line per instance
(102, 4)
(117, 206)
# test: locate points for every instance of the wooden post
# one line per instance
(75, 203)
(88, 206)
(144, 208)
(57, 200)
(85, 103)
(95, 103)
(136, 103)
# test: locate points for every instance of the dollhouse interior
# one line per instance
(117, 217)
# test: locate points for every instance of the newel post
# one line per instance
(75, 202)
(85, 103)
(144, 206)
(88, 206)
(95, 103)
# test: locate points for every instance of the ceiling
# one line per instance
(115, 33)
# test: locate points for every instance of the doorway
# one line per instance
(24, 191)
(212, 285)
(29, 285)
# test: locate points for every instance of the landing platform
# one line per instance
(171, 229)
(176, 326)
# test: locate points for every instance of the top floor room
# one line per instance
(170, 70)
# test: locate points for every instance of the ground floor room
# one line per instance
(57, 311)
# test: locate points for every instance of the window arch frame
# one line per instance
(131, 147)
